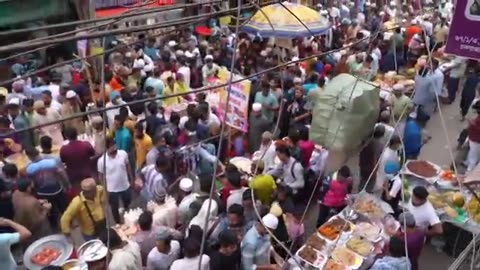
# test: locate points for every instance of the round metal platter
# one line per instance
(57, 241)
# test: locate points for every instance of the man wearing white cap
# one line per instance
(72, 107)
(256, 245)
(210, 69)
(257, 124)
(186, 188)
(401, 107)
(19, 121)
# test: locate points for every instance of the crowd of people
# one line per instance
(58, 175)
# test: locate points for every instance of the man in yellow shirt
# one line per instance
(171, 89)
(143, 144)
(263, 185)
(87, 208)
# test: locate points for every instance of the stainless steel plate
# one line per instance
(56, 241)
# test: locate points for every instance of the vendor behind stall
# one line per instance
(423, 211)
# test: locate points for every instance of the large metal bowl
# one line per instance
(74, 264)
(56, 241)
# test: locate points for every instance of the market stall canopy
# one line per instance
(284, 23)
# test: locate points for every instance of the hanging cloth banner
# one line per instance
(463, 38)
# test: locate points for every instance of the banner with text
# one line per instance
(237, 109)
(463, 38)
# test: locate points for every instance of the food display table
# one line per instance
(351, 239)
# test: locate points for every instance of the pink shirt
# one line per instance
(336, 194)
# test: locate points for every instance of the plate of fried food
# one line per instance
(333, 265)
(316, 242)
(368, 231)
(368, 207)
(360, 246)
(311, 256)
(346, 257)
(332, 229)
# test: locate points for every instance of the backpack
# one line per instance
(310, 179)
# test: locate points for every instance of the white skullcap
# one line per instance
(179, 53)
(324, 12)
(414, 21)
(393, 3)
(256, 107)
(297, 80)
(94, 250)
(148, 68)
(384, 95)
(398, 87)
(128, 54)
(196, 51)
(263, 53)
(295, 58)
(183, 120)
(172, 43)
(209, 57)
(381, 13)
(14, 101)
(70, 94)
(140, 63)
(189, 54)
(186, 184)
(270, 221)
(413, 115)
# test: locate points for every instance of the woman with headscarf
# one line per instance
(200, 218)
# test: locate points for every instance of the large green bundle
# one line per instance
(344, 113)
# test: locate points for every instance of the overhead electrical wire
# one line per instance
(96, 20)
(172, 23)
(222, 131)
(114, 20)
(195, 91)
(183, 25)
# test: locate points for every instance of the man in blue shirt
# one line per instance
(49, 181)
(8, 239)
(256, 244)
(412, 139)
(123, 137)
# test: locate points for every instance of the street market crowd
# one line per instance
(150, 166)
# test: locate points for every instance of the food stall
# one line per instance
(453, 202)
(351, 239)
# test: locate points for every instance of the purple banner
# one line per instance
(464, 36)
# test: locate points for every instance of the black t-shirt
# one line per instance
(219, 261)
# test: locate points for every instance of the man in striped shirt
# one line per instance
(151, 176)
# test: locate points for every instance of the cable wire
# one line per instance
(132, 12)
(96, 20)
(142, 28)
(222, 131)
